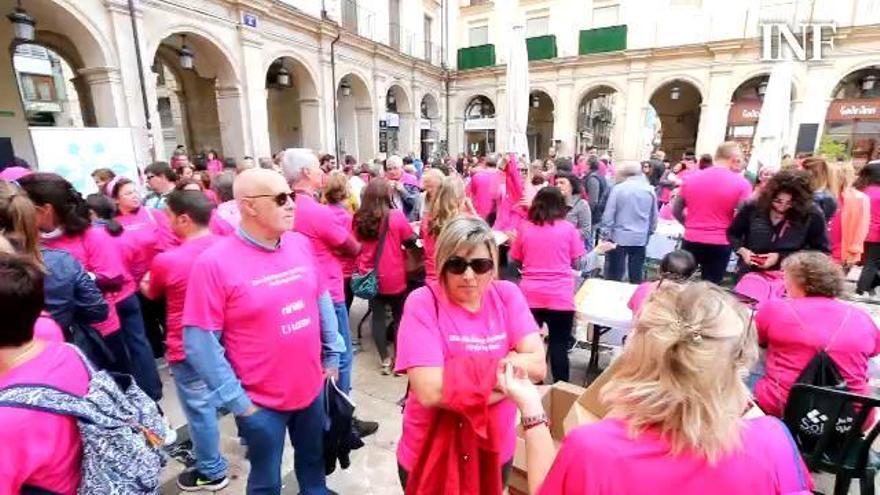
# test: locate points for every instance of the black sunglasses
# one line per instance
(457, 265)
(280, 198)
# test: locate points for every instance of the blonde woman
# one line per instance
(675, 422)
(849, 225)
(449, 202)
(820, 181)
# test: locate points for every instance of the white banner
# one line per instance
(487, 124)
(74, 153)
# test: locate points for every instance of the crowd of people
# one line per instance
(242, 274)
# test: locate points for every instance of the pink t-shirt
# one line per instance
(484, 189)
(547, 253)
(327, 232)
(392, 265)
(214, 166)
(790, 346)
(169, 275)
(835, 231)
(146, 233)
(267, 311)
(429, 243)
(219, 226)
(47, 329)
(640, 295)
(349, 263)
(604, 459)
(873, 193)
(228, 211)
(98, 254)
(37, 448)
(711, 197)
(427, 336)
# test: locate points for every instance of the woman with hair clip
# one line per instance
(675, 412)
(449, 202)
(72, 298)
(676, 267)
(375, 220)
(64, 221)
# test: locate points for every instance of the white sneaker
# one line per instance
(170, 433)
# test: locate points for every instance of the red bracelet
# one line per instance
(530, 422)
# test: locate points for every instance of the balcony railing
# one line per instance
(606, 39)
(358, 19)
(432, 53)
(541, 47)
(476, 56)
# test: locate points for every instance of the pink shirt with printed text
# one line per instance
(267, 311)
(604, 459)
(392, 265)
(793, 330)
(348, 263)
(427, 336)
(327, 232)
(99, 254)
(711, 197)
(547, 253)
(873, 193)
(41, 449)
(169, 276)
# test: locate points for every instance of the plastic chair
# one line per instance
(847, 454)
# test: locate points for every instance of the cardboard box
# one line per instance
(588, 408)
(557, 400)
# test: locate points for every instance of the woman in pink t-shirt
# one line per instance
(449, 202)
(794, 329)
(337, 193)
(466, 313)
(675, 403)
(212, 164)
(39, 451)
(869, 183)
(374, 216)
(548, 248)
(65, 224)
(676, 267)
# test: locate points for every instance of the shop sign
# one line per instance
(854, 109)
(484, 124)
(746, 112)
(249, 20)
(392, 119)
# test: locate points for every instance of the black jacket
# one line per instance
(752, 229)
(340, 437)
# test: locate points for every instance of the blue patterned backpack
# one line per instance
(120, 427)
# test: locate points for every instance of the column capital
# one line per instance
(100, 75)
(224, 92)
(121, 7)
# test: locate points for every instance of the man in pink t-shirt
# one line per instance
(278, 335)
(484, 189)
(706, 205)
(38, 450)
(190, 214)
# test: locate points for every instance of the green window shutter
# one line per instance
(541, 47)
(607, 39)
(476, 56)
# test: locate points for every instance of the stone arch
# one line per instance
(92, 47)
(206, 43)
(540, 123)
(797, 89)
(350, 71)
(696, 83)
(594, 85)
(596, 127)
(678, 115)
(301, 62)
(466, 101)
(355, 114)
(292, 109)
(846, 72)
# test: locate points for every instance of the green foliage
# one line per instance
(831, 149)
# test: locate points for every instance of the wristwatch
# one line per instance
(529, 422)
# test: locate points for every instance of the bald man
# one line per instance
(260, 330)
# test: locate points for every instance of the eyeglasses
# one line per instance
(457, 265)
(280, 198)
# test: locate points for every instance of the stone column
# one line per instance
(716, 107)
(565, 115)
(631, 142)
(256, 122)
(105, 87)
(231, 114)
(367, 133)
(310, 118)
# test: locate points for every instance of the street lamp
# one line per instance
(346, 88)
(22, 24)
(535, 102)
(282, 77)
(185, 54)
(390, 99)
(869, 82)
(762, 89)
(675, 93)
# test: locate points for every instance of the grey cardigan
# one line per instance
(579, 215)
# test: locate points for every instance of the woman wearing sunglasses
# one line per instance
(453, 333)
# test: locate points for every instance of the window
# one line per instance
(37, 88)
(606, 16)
(350, 15)
(478, 35)
(537, 26)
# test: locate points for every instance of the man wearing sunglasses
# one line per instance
(331, 241)
(260, 330)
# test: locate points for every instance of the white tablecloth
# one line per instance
(603, 302)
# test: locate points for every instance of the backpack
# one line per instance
(119, 427)
(810, 413)
(604, 192)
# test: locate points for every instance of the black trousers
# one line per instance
(384, 331)
(559, 324)
(505, 474)
(868, 278)
(711, 258)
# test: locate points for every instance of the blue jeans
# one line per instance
(143, 364)
(201, 415)
(263, 434)
(629, 258)
(346, 359)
